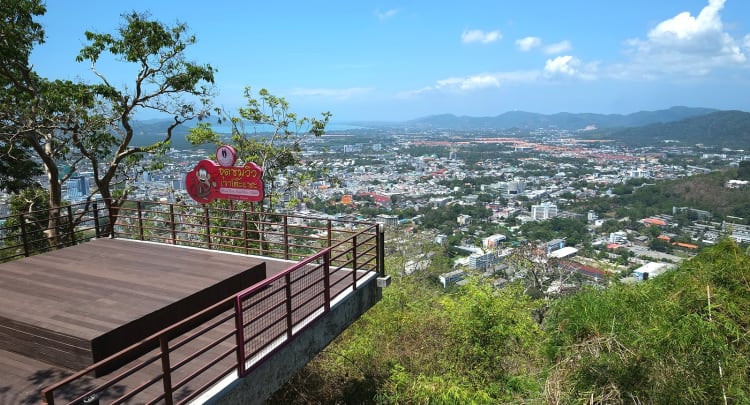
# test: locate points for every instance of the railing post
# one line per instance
(381, 249)
(288, 280)
(207, 218)
(166, 370)
(327, 279)
(140, 220)
(95, 213)
(112, 215)
(24, 236)
(71, 226)
(329, 233)
(286, 238)
(354, 262)
(240, 336)
(173, 227)
(244, 232)
(49, 397)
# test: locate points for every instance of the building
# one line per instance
(493, 241)
(78, 188)
(567, 251)
(453, 277)
(387, 220)
(654, 222)
(480, 261)
(545, 210)
(592, 216)
(553, 245)
(464, 219)
(516, 187)
(619, 237)
(650, 270)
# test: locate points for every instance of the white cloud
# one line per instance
(331, 93)
(686, 44)
(528, 43)
(566, 65)
(468, 84)
(470, 36)
(570, 66)
(384, 15)
(558, 48)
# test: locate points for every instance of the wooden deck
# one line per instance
(64, 310)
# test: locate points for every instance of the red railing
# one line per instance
(230, 337)
(38, 231)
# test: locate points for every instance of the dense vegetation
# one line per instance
(679, 338)
(723, 129)
(706, 192)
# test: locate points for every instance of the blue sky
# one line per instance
(398, 60)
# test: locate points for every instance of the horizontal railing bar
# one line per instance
(204, 368)
(201, 332)
(201, 351)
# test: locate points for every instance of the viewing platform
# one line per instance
(175, 309)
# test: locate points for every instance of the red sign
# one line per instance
(209, 181)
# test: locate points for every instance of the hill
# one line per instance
(679, 338)
(723, 129)
(568, 121)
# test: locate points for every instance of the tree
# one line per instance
(38, 116)
(267, 133)
(18, 34)
(743, 171)
(17, 169)
(166, 82)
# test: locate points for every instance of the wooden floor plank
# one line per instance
(90, 290)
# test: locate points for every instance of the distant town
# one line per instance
(480, 195)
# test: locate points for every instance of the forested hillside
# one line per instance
(723, 129)
(706, 192)
(679, 338)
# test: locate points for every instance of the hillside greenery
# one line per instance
(678, 338)
(705, 192)
(722, 129)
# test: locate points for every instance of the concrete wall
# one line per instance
(267, 378)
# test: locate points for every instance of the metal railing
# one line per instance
(39, 231)
(284, 236)
(231, 337)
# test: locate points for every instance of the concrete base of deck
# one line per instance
(282, 365)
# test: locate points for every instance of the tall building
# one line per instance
(545, 210)
(78, 188)
(516, 186)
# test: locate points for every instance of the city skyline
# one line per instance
(395, 61)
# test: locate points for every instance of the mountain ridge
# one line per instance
(561, 120)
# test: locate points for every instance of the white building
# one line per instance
(464, 219)
(651, 270)
(387, 220)
(619, 237)
(447, 279)
(480, 261)
(545, 210)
